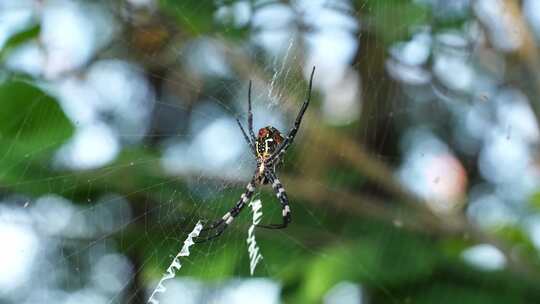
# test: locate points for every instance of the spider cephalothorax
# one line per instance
(267, 141)
(268, 149)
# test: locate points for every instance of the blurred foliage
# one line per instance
(193, 16)
(394, 264)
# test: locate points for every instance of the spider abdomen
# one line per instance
(268, 140)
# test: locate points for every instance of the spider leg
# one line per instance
(292, 133)
(246, 137)
(283, 199)
(250, 116)
(220, 225)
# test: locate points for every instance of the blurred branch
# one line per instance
(527, 55)
(319, 194)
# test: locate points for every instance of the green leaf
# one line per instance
(19, 38)
(32, 127)
(32, 117)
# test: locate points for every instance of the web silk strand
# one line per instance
(175, 265)
(253, 249)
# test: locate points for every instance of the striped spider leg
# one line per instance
(283, 199)
(220, 225)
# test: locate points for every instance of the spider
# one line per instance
(268, 149)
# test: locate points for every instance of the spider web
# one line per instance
(100, 215)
